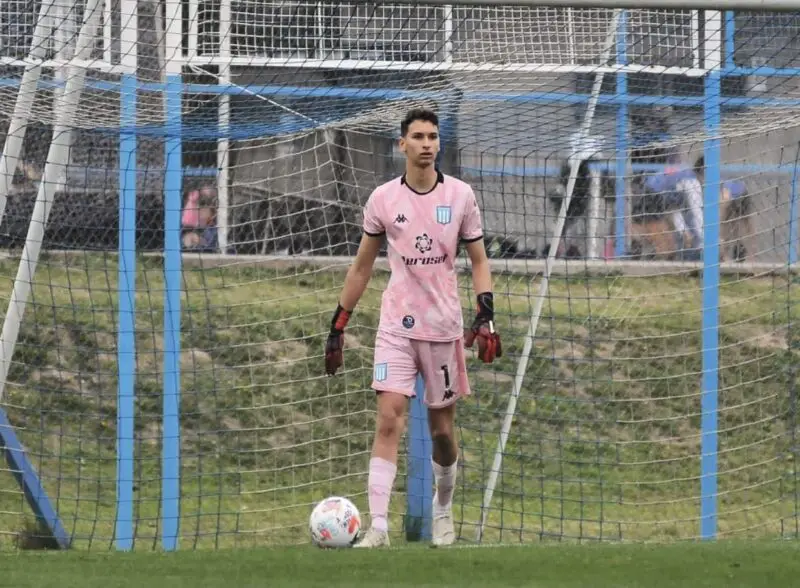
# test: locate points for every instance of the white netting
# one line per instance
(403, 33)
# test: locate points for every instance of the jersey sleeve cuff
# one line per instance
(371, 234)
(471, 239)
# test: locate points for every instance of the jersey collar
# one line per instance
(439, 180)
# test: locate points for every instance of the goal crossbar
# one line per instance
(753, 5)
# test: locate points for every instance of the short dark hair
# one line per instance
(700, 165)
(424, 114)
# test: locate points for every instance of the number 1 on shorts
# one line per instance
(448, 393)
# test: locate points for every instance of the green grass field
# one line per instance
(605, 443)
(719, 565)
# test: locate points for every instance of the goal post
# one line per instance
(712, 219)
(126, 272)
(173, 280)
(768, 5)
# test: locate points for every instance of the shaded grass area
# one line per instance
(605, 443)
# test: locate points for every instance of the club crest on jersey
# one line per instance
(381, 372)
(443, 215)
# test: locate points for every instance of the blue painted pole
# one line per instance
(126, 334)
(171, 434)
(374, 94)
(730, 36)
(710, 318)
(620, 208)
(419, 494)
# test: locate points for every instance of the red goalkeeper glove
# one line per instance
(335, 344)
(483, 330)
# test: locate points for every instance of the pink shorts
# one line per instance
(442, 365)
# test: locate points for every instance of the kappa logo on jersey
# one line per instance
(381, 372)
(443, 215)
(400, 218)
(424, 243)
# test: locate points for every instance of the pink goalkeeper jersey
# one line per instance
(423, 232)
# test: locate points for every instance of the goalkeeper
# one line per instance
(423, 215)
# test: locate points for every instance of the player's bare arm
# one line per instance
(481, 271)
(358, 276)
(360, 271)
(483, 328)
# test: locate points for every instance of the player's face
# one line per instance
(421, 143)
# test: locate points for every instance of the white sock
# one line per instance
(379, 490)
(445, 477)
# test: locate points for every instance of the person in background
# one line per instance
(199, 220)
(579, 204)
(735, 215)
(681, 194)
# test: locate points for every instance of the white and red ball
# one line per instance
(335, 522)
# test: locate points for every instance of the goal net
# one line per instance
(181, 195)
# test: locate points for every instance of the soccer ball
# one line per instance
(334, 522)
